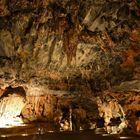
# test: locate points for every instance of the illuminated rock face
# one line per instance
(110, 110)
(130, 104)
(40, 108)
(65, 112)
(10, 110)
(137, 123)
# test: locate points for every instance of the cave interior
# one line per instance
(70, 65)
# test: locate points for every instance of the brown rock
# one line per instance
(138, 126)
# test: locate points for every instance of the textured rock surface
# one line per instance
(65, 44)
(73, 46)
(113, 114)
(67, 112)
(113, 111)
(10, 109)
(130, 102)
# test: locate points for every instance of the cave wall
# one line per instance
(69, 45)
(73, 54)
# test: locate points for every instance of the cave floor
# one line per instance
(41, 131)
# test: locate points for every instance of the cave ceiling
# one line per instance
(70, 45)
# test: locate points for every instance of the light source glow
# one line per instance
(10, 110)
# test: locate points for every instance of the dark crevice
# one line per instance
(18, 90)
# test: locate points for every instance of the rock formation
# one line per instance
(66, 52)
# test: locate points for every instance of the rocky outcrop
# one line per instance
(66, 112)
(129, 102)
(112, 113)
(40, 108)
